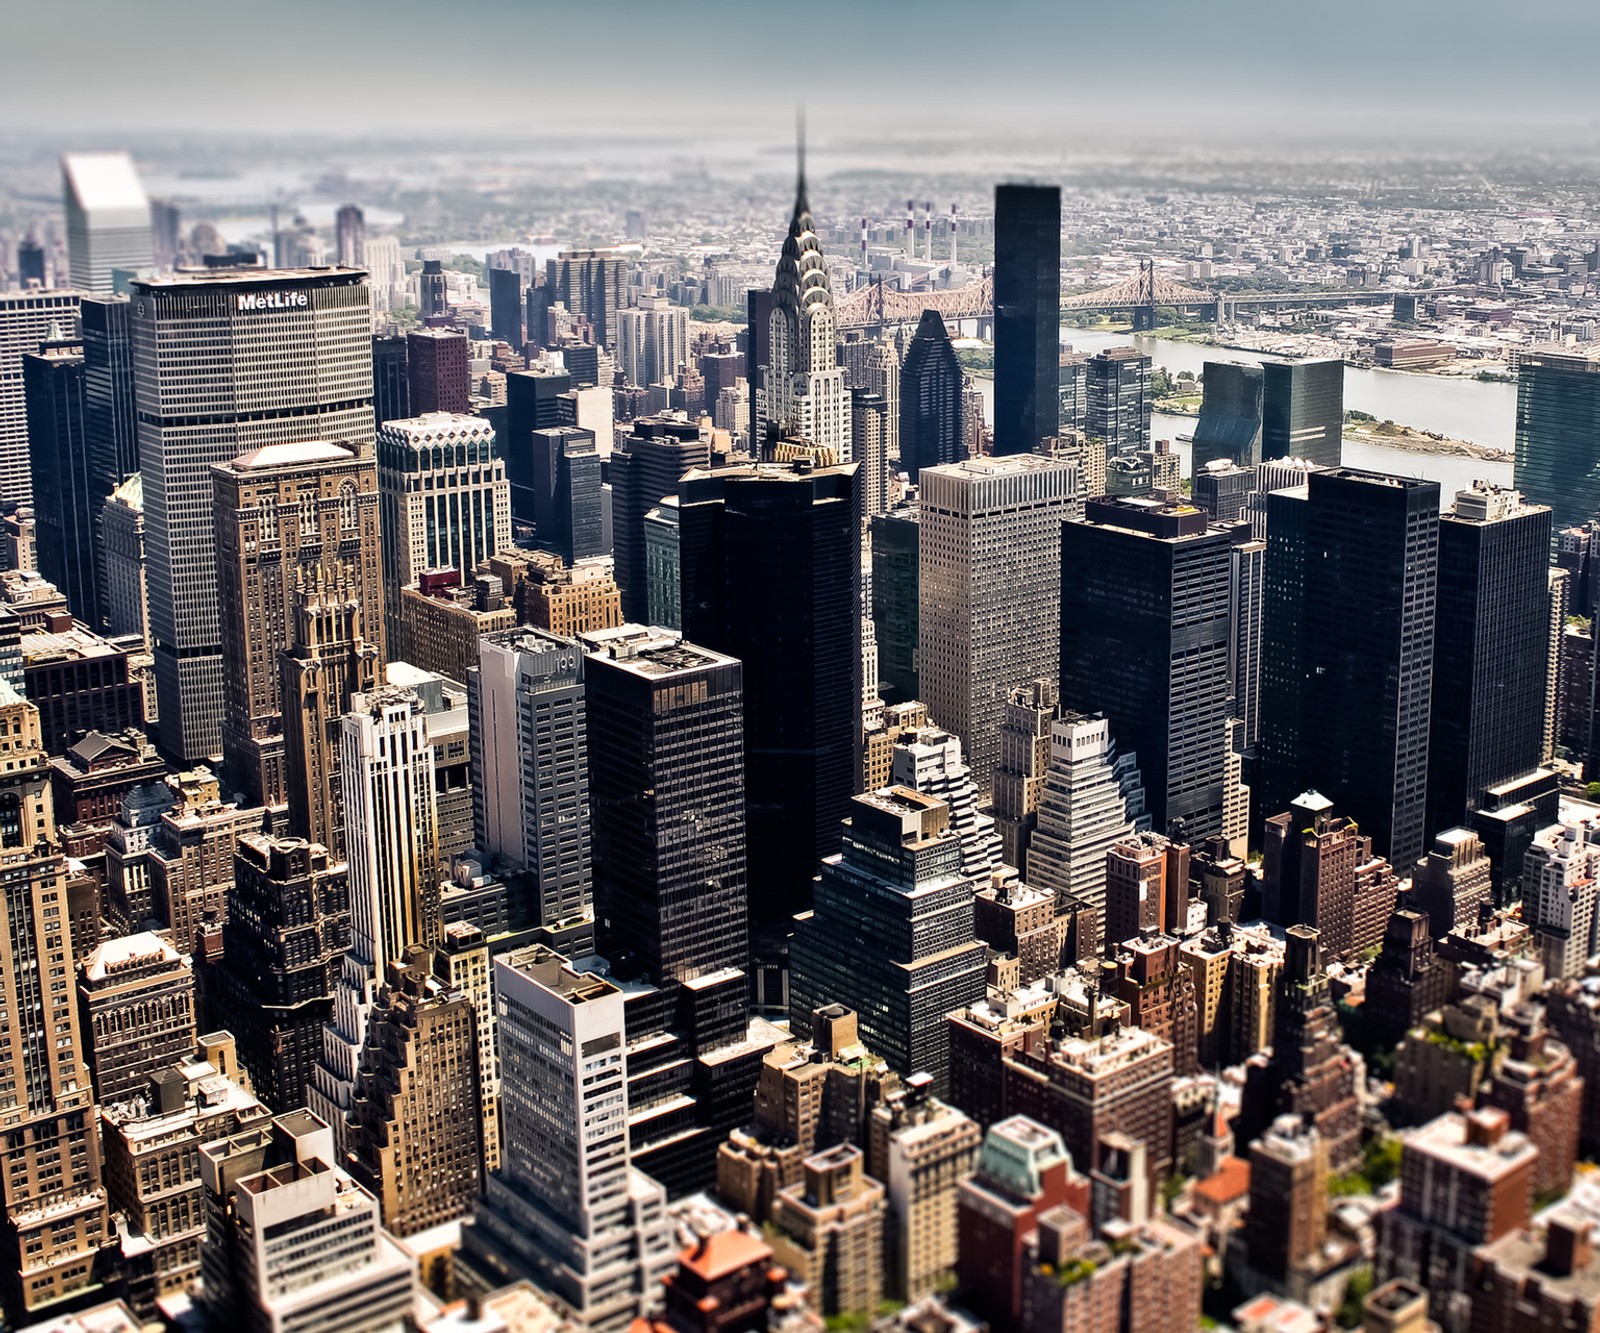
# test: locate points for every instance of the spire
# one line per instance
(802, 206)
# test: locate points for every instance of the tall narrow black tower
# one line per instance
(1027, 315)
(931, 425)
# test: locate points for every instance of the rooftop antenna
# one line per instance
(800, 148)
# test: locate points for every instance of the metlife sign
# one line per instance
(272, 300)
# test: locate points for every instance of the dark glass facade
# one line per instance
(895, 601)
(505, 306)
(771, 566)
(1229, 427)
(931, 425)
(645, 469)
(64, 492)
(1491, 655)
(1349, 656)
(666, 768)
(1144, 640)
(1302, 411)
(563, 503)
(111, 423)
(1558, 435)
(391, 385)
(1027, 315)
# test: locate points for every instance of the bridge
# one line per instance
(878, 306)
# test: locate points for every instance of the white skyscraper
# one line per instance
(1092, 797)
(653, 341)
(989, 590)
(224, 362)
(531, 764)
(386, 775)
(929, 761)
(802, 394)
(26, 320)
(566, 1209)
(108, 219)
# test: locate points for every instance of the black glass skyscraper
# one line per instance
(1491, 650)
(1302, 411)
(111, 423)
(1558, 435)
(1119, 400)
(1027, 315)
(1347, 651)
(931, 424)
(63, 490)
(1229, 427)
(505, 306)
(1144, 640)
(666, 784)
(771, 566)
(896, 610)
(564, 501)
(391, 381)
(645, 469)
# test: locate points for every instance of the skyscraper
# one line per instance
(892, 933)
(666, 740)
(226, 361)
(287, 929)
(931, 429)
(416, 1136)
(108, 219)
(531, 767)
(111, 422)
(750, 534)
(870, 436)
(280, 513)
(391, 380)
(645, 468)
(1247, 569)
(1024, 760)
(1491, 650)
(26, 320)
(987, 625)
(350, 236)
(1093, 796)
(438, 371)
(505, 306)
(1027, 316)
(433, 289)
(329, 663)
(802, 394)
(1229, 428)
(63, 494)
(127, 597)
(653, 340)
(446, 500)
(1120, 401)
(591, 284)
(1558, 451)
(1347, 650)
(895, 540)
(1144, 639)
(56, 1226)
(564, 501)
(386, 775)
(1302, 411)
(566, 1208)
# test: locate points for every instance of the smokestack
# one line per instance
(927, 227)
(952, 235)
(863, 243)
(911, 226)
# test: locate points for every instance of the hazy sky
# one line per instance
(1048, 68)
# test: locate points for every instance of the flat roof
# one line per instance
(291, 455)
(106, 182)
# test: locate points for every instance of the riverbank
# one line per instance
(1409, 440)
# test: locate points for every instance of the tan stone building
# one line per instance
(441, 621)
(53, 1244)
(582, 598)
(414, 1134)
(828, 1231)
(191, 854)
(137, 998)
(278, 510)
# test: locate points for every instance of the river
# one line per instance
(1464, 409)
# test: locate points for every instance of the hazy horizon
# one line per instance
(1407, 74)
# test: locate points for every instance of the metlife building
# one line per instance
(225, 361)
